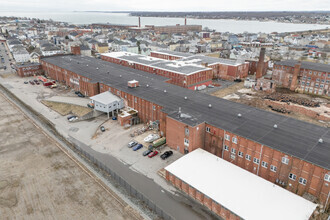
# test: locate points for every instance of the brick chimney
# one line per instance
(185, 21)
(260, 66)
(294, 81)
(139, 22)
(75, 50)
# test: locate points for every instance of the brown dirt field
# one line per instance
(231, 89)
(39, 181)
(65, 109)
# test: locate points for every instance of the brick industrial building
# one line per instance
(221, 68)
(184, 74)
(26, 70)
(285, 151)
(304, 77)
(225, 195)
(184, 69)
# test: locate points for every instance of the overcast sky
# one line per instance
(165, 5)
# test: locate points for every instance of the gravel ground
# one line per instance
(38, 181)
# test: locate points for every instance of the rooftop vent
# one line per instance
(320, 140)
(210, 106)
(165, 90)
(147, 85)
(239, 115)
(97, 68)
(87, 65)
(133, 83)
(185, 97)
(120, 76)
(275, 125)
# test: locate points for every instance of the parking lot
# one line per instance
(113, 141)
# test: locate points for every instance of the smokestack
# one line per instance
(296, 71)
(260, 66)
(185, 21)
(139, 21)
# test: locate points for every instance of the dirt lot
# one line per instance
(65, 109)
(38, 181)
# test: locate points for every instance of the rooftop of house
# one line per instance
(294, 137)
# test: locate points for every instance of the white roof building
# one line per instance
(240, 191)
(107, 102)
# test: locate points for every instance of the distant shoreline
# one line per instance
(261, 16)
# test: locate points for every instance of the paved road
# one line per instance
(177, 206)
(7, 59)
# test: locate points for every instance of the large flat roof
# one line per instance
(245, 194)
(293, 137)
(306, 65)
(199, 59)
(174, 66)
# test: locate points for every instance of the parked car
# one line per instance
(35, 80)
(70, 116)
(31, 82)
(102, 128)
(132, 144)
(211, 86)
(73, 118)
(145, 153)
(114, 118)
(53, 86)
(152, 154)
(167, 154)
(81, 95)
(26, 82)
(137, 147)
(38, 83)
(76, 92)
(151, 137)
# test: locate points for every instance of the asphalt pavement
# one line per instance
(7, 59)
(177, 206)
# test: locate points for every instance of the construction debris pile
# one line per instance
(279, 109)
(286, 98)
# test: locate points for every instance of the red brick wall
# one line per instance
(316, 185)
(164, 56)
(31, 70)
(201, 198)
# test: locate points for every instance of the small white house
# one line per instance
(107, 102)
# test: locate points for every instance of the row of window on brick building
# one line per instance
(264, 164)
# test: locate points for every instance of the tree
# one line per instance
(66, 37)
